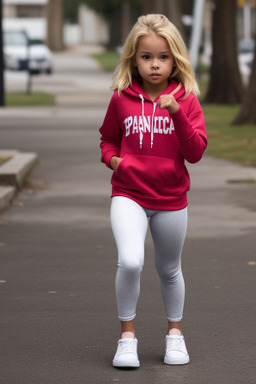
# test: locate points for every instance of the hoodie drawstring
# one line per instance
(152, 125)
(141, 128)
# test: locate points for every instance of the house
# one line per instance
(31, 16)
(24, 8)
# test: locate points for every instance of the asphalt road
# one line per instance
(58, 259)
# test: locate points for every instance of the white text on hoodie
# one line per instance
(135, 124)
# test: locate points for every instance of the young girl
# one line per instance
(154, 123)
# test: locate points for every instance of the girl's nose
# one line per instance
(154, 66)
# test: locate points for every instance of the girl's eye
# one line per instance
(164, 57)
(145, 57)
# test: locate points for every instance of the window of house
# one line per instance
(29, 11)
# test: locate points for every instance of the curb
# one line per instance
(13, 174)
(6, 196)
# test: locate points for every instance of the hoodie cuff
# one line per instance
(108, 157)
(180, 119)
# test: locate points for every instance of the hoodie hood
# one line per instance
(135, 90)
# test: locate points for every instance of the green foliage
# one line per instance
(71, 9)
(107, 7)
(104, 7)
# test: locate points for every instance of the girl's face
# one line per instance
(154, 61)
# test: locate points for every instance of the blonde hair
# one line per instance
(161, 26)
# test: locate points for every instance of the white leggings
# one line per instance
(168, 228)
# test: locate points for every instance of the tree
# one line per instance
(120, 21)
(120, 15)
(171, 9)
(247, 113)
(225, 85)
(70, 10)
(55, 25)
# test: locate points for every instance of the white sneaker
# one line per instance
(126, 354)
(176, 352)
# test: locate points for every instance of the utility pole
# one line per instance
(247, 21)
(2, 103)
(196, 31)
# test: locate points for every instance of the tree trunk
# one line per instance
(225, 85)
(169, 8)
(115, 27)
(126, 19)
(55, 25)
(147, 6)
(2, 98)
(247, 113)
(174, 13)
(154, 6)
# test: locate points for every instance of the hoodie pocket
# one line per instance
(149, 175)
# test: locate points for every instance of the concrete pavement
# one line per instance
(58, 259)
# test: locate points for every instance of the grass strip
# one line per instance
(227, 141)
(108, 60)
(21, 99)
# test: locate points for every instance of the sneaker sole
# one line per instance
(183, 361)
(128, 364)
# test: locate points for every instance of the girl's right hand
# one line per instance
(114, 162)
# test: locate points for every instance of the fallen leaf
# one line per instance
(251, 263)
(29, 191)
(17, 204)
(2, 245)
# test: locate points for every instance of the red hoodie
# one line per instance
(154, 146)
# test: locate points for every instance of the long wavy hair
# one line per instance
(161, 26)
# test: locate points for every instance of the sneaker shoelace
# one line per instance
(126, 346)
(175, 344)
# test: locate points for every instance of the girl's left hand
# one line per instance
(168, 102)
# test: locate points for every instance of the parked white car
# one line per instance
(21, 53)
